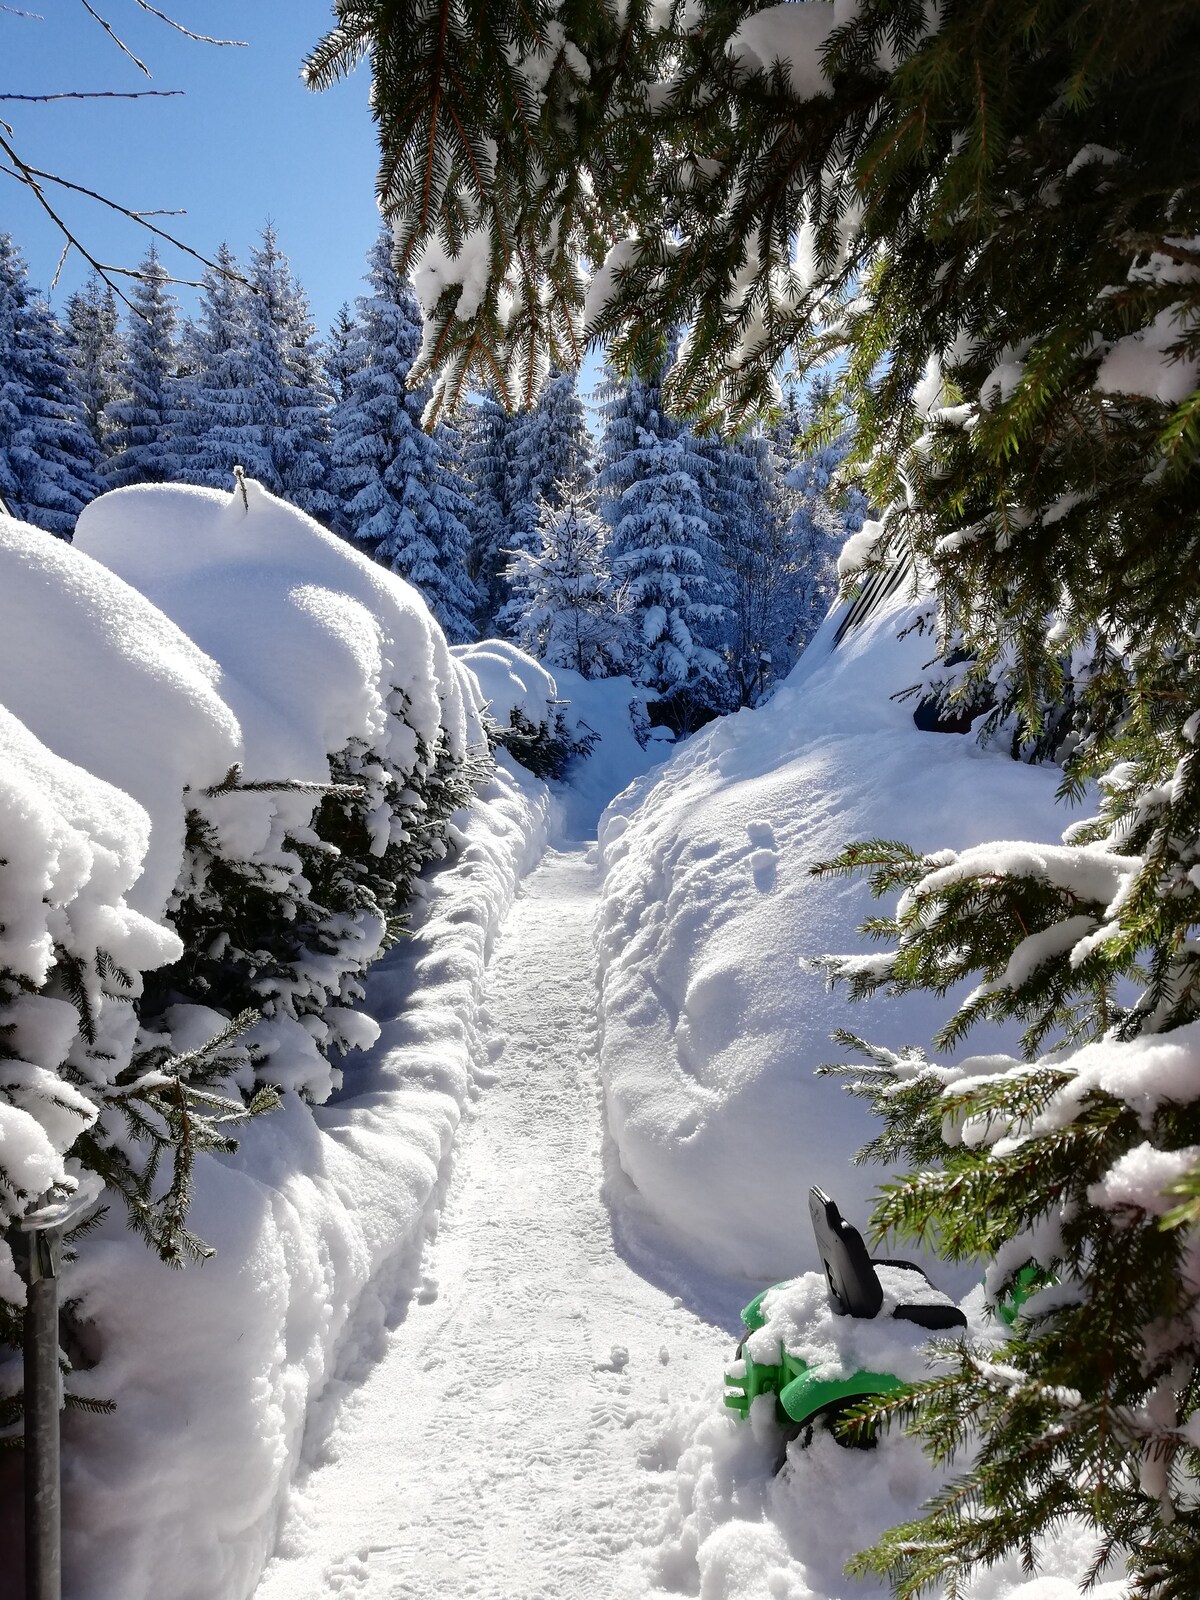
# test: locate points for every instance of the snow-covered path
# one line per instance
(495, 1450)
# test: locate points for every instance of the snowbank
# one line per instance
(215, 1370)
(610, 709)
(710, 1027)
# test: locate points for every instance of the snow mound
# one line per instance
(316, 645)
(612, 711)
(508, 680)
(110, 684)
(711, 1029)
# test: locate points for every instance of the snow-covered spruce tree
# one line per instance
(655, 484)
(545, 447)
(750, 515)
(397, 495)
(341, 353)
(96, 348)
(484, 457)
(823, 516)
(1001, 201)
(284, 438)
(139, 447)
(211, 395)
(48, 458)
(565, 606)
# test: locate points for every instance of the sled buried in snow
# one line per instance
(803, 1396)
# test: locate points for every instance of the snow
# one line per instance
(608, 708)
(859, 548)
(801, 1320)
(710, 1029)
(110, 684)
(438, 269)
(505, 1445)
(603, 284)
(179, 1492)
(1139, 363)
(508, 680)
(1141, 1178)
(791, 36)
(316, 644)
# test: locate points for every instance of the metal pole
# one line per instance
(43, 1511)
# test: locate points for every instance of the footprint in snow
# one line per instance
(763, 864)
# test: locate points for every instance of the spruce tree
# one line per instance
(48, 458)
(397, 493)
(490, 519)
(565, 607)
(284, 437)
(758, 554)
(140, 450)
(655, 485)
(341, 356)
(546, 446)
(211, 403)
(96, 353)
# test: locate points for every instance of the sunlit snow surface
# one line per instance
(711, 1027)
(490, 1365)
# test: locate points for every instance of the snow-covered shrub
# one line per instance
(96, 683)
(200, 853)
(523, 709)
(357, 746)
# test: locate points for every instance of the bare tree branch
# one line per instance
(98, 94)
(33, 178)
(200, 38)
(33, 16)
(115, 37)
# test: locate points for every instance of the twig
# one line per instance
(33, 16)
(66, 250)
(200, 38)
(115, 37)
(33, 178)
(98, 94)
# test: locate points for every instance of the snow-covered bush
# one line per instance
(357, 746)
(98, 686)
(524, 712)
(201, 849)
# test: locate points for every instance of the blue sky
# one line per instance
(247, 140)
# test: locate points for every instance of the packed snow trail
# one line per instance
(494, 1449)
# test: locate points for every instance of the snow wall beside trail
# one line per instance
(710, 1028)
(316, 1220)
(184, 633)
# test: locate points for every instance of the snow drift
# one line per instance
(711, 1029)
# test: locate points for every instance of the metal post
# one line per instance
(43, 1512)
(40, 1254)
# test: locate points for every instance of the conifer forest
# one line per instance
(600, 851)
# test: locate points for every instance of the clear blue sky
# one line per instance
(247, 141)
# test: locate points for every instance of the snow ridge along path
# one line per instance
(503, 1446)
